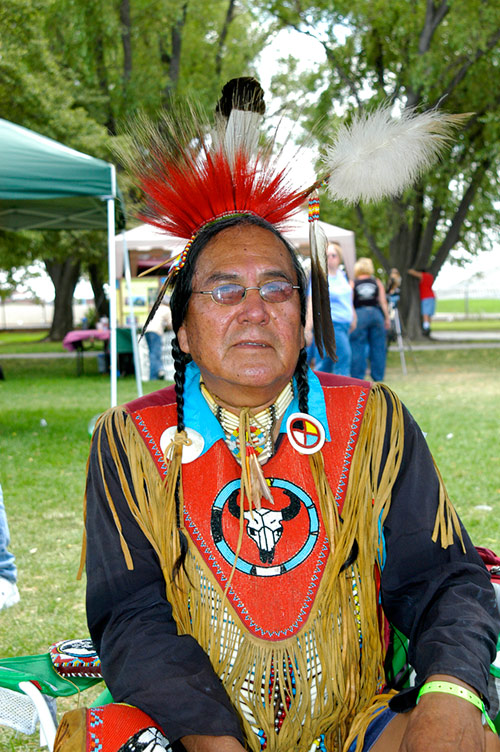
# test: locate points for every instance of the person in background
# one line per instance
(427, 298)
(154, 339)
(369, 336)
(9, 594)
(343, 317)
(393, 293)
(393, 287)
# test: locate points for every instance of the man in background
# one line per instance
(427, 298)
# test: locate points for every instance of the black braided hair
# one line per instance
(180, 360)
(179, 302)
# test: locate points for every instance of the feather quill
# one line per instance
(324, 336)
(378, 155)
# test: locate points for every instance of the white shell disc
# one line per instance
(190, 452)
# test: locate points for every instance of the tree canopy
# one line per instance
(422, 55)
(76, 70)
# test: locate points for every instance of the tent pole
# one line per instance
(112, 301)
(133, 327)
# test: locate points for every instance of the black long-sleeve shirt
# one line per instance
(441, 599)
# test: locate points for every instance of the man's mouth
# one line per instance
(251, 343)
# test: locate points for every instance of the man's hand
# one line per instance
(445, 723)
(439, 723)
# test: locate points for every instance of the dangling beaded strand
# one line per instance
(262, 424)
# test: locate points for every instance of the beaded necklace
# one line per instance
(261, 425)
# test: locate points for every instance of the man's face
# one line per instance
(247, 352)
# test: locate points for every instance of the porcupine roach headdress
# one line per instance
(192, 173)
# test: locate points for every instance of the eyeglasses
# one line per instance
(231, 294)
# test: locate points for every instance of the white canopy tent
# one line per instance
(146, 238)
(298, 236)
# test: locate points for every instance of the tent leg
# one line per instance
(112, 302)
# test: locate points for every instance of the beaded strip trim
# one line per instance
(180, 260)
(313, 211)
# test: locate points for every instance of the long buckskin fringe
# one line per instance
(328, 676)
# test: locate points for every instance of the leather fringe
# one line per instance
(337, 658)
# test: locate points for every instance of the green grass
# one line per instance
(453, 395)
(467, 325)
(27, 342)
(473, 305)
(454, 398)
(43, 475)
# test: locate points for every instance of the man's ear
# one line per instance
(183, 340)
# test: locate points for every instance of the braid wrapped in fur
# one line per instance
(302, 382)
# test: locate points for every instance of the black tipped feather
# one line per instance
(155, 306)
(242, 93)
(324, 335)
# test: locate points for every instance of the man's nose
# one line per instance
(253, 307)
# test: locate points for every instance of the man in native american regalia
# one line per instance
(256, 531)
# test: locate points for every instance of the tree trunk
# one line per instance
(409, 308)
(100, 300)
(102, 75)
(223, 37)
(64, 275)
(173, 61)
(126, 34)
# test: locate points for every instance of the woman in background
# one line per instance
(343, 317)
(369, 336)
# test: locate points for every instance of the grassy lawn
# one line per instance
(467, 325)
(453, 395)
(473, 305)
(454, 398)
(27, 342)
(43, 476)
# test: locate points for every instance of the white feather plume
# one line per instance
(239, 133)
(378, 155)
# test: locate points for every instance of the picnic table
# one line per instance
(74, 342)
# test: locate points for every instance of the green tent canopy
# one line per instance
(45, 185)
